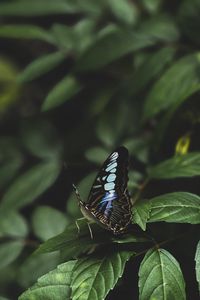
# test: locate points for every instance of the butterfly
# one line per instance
(109, 202)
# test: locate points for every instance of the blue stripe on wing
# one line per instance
(105, 204)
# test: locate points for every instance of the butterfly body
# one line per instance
(109, 201)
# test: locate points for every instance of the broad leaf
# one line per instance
(13, 225)
(187, 165)
(48, 222)
(177, 207)
(25, 32)
(197, 267)
(160, 277)
(94, 277)
(41, 66)
(53, 285)
(141, 214)
(9, 251)
(29, 186)
(61, 92)
(76, 239)
(179, 82)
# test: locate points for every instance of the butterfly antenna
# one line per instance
(77, 194)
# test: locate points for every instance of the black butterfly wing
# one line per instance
(109, 200)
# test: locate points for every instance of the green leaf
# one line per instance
(61, 92)
(35, 266)
(41, 66)
(160, 277)
(41, 139)
(9, 251)
(96, 155)
(48, 222)
(110, 47)
(83, 187)
(37, 8)
(76, 240)
(112, 124)
(29, 186)
(177, 207)
(160, 28)
(187, 165)
(53, 285)
(13, 225)
(93, 277)
(197, 267)
(149, 69)
(179, 82)
(25, 32)
(10, 159)
(124, 10)
(138, 147)
(141, 214)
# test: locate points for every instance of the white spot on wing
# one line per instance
(109, 186)
(110, 167)
(111, 177)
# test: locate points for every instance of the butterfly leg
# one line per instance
(90, 230)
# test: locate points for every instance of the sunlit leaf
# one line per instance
(10, 89)
(53, 285)
(41, 66)
(187, 165)
(160, 277)
(48, 222)
(177, 207)
(61, 92)
(93, 277)
(29, 186)
(197, 267)
(183, 145)
(179, 82)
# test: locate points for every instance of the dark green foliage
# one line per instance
(79, 78)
